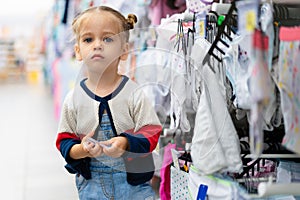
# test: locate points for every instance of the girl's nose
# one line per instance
(98, 45)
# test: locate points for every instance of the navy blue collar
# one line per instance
(108, 97)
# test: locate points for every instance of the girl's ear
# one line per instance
(125, 50)
(77, 52)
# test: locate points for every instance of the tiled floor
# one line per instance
(31, 167)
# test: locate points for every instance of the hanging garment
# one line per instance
(261, 91)
(160, 9)
(197, 5)
(206, 151)
(289, 79)
(267, 25)
(215, 144)
(179, 84)
(165, 173)
(173, 46)
(238, 62)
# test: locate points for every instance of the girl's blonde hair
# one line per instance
(126, 23)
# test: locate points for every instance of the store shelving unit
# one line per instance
(9, 68)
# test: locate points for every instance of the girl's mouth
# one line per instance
(97, 56)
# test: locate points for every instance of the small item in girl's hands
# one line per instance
(88, 141)
(104, 146)
(95, 142)
(92, 140)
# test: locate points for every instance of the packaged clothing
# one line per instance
(179, 184)
(288, 172)
(288, 84)
(219, 187)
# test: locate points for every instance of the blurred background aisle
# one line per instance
(31, 168)
(37, 69)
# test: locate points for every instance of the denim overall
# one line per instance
(109, 175)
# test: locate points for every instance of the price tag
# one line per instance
(200, 25)
(201, 29)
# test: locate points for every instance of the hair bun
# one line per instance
(131, 20)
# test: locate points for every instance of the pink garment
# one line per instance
(289, 33)
(159, 9)
(288, 84)
(165, 173)
(56, 88)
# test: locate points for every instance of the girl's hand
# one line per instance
(93, 149)
(116, 146)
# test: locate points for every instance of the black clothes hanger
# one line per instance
(191, 32)
(180, 38)
(211, 25)
(186, 157)
(248, 168)
(286, 15)
(219, 38)
(65, 16)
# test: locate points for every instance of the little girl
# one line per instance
(111, 109)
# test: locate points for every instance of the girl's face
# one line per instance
(100, 42)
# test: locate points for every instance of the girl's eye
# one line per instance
(108, 40)
(88, 40)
